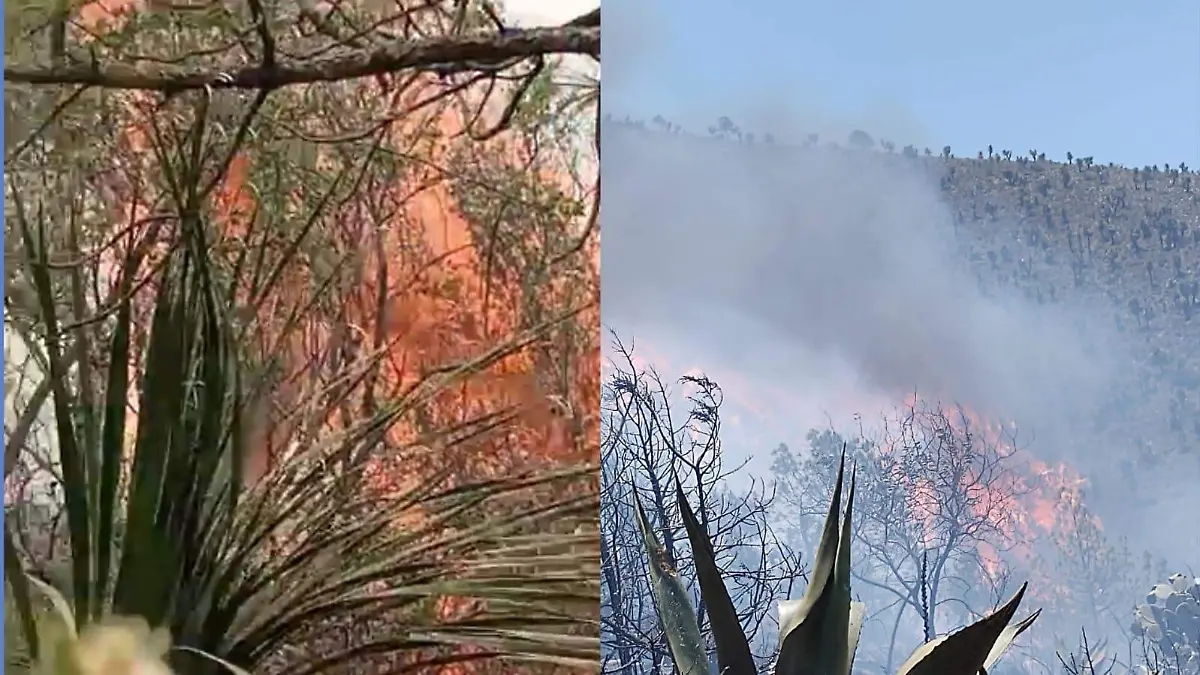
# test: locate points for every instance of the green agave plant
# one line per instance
(818, 634)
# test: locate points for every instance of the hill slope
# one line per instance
(1126, 240)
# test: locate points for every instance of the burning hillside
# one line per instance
(1034, 506)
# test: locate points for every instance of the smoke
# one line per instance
(821, 269)
(634, 33)
(816, 284)
(822, 272)
(839, 258)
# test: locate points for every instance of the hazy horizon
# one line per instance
(1108, 79)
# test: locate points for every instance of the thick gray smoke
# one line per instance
(831, 281)
(840, 256)
(807, 268)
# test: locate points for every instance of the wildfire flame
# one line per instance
(425, 328)
(1033, 501)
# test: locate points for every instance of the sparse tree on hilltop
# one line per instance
(861, 139)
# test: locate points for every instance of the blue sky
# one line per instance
(1116, 80)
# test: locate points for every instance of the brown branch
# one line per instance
(591, 18)
(14, 445)
(449, 54)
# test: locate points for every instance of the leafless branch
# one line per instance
(446, 55)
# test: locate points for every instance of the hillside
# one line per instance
(1073, 232)
(1063, 232)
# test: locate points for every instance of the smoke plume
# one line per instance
(818, 269)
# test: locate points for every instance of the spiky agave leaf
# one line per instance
(675, 611)
(858, 615)
(733, 650)
(814, 632)
(72, 457)
(966, 651)
(22, 597)
(185, 387)
(837, 629)
(300, 555)
(383, 558)
(1007, 637)
(60, 610)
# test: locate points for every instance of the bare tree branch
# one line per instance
(448, 54)
(645, 450)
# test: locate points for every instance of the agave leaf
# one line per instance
(835, 647)
(47, 623)
(858, 615)
(242, 576)
(72, 458)
(112, 440)
(674, 608)
(920, 653)
(733, 650)
(161, 516)
(236, 670)
(965, 651)
(1007, 637)
(802, 623)
(61, 608)
(85, 410)
(327, 575)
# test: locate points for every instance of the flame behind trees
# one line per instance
(372, 239)
(950, 509)
(930, 525)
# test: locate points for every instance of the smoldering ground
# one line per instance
(808, 267)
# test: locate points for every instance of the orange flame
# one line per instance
(1036, 497)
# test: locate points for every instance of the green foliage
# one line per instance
(818, 634)
(165, 527)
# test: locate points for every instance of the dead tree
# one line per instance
(645, 448)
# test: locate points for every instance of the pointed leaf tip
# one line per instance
(1008, 637)
(733, 650)
(967, 650)
(815, 632)
(675, 612)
